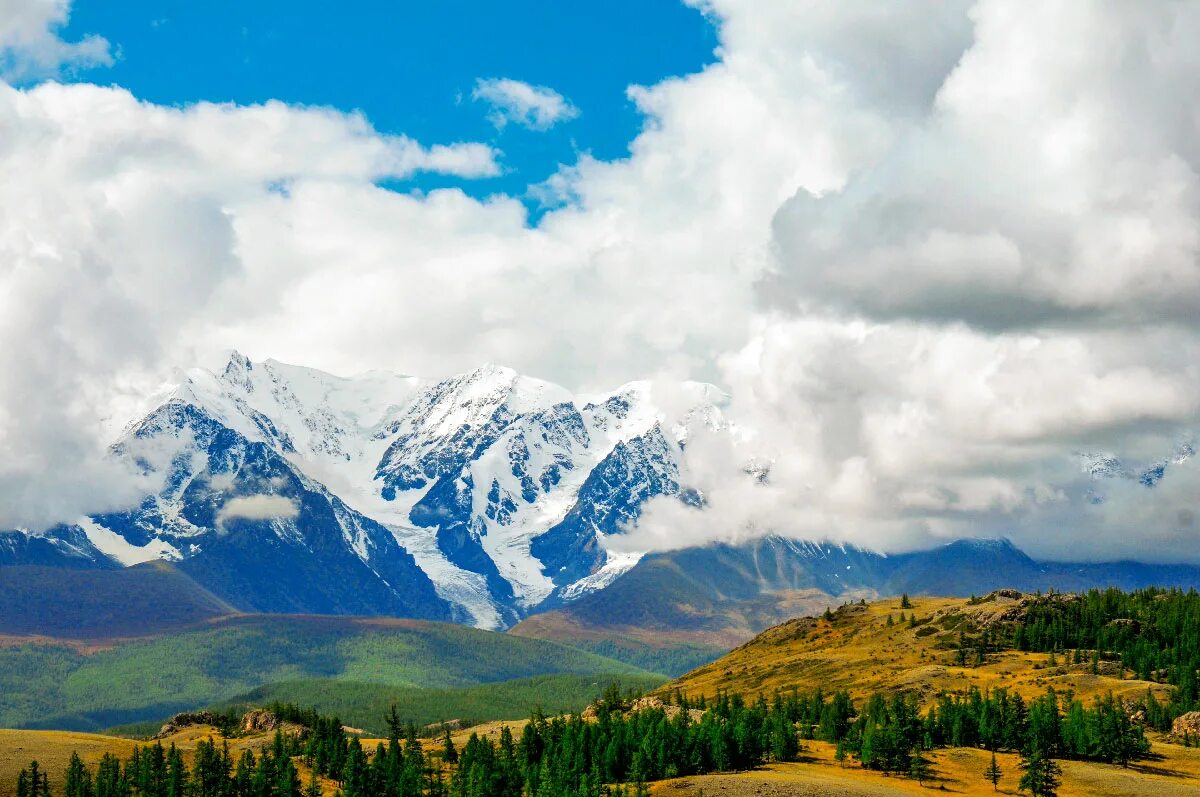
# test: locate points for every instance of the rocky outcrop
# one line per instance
(1186, 725)
(187, 719)
(255, 721)
(258, 720)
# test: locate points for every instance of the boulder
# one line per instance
(259, 720)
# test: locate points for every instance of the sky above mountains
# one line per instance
(933, 251)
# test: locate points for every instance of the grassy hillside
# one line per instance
(52, 750)
(101, 604)
(859, 651)
(363, 705)
(53, 686)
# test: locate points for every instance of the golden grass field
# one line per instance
(52, 750)
(1175, 773)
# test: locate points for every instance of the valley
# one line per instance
(946, 661)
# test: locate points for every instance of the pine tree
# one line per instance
(78, 781)
(1041, 775)
(905, 603)
(839, 755)
(919, 769)
(993, 773)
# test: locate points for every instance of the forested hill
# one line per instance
(53, 686)
(1090, 643)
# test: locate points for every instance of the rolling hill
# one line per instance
(48, 685)
(860, 651)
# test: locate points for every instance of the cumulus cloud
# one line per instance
(258, 507)
(119, 240)
(932, 252)
(534, 107)
(1011, 278)
(1046, 184)
(31, 48)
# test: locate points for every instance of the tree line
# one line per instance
(1155, 633)
(569, 755)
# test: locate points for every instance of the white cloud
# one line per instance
(931, 251)
(258, 507)
(30, 47)
(535, 107)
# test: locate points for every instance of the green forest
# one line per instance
(46, 686)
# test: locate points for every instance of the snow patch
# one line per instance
(117, 547)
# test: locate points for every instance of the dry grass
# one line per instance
(861, 653)
(1174, 773)
(52, 750)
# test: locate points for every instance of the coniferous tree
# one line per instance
(449, 751)
(111, 781)
(1041, 776)
(919, 769)
(905, 603)
(78, 780)
(993, 773)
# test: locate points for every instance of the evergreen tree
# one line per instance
(449, 752)
(78, 780)
(919, 769)
(993, 773)
(1041, 775)
(905, 603)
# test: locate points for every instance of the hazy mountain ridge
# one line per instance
(718, 596)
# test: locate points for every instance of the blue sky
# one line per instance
(411, 67)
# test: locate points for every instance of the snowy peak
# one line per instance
(501, 488)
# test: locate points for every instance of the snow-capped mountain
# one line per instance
(475, 498)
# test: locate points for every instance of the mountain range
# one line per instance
(479, 499)
(472, 499)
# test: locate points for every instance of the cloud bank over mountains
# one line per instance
(934, 253)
